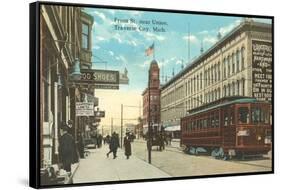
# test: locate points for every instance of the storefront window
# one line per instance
(243, 113)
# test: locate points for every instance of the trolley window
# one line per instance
(225, 119)
(260, 115)
(243, 113)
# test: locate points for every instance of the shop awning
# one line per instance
(173, 128)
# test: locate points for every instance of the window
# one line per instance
(224, 90)
(225, 118)
(233, 63)
(260, 115)
(224, 68)
(233, 89)
(243, 87)
(243, 115)
(238, 58)
(85, 36)
(231, 117)
(201, 80)
(228, 90)
(212, 121)
(219, 72)
(243, 58)
(228, 66)
(256, 115)
(217, 121)
(238, 88)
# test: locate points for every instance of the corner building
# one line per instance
(239, 64)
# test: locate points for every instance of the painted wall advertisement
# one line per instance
(262, 70)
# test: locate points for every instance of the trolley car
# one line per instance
(232, 126)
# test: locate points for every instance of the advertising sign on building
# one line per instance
(84, 109)
(262, 70)
(99, 76)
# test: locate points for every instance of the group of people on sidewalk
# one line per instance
(114, 145)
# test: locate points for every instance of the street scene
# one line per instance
(139, 95)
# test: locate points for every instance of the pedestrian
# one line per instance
(127, 145)
(113, 145)
(67, 149)
(80, 144)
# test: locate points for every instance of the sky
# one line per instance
(126, 48)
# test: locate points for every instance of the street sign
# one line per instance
(84, 109)
(99, 76)
(100, 113)
(106, 87)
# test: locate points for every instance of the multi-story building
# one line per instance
(240, 63)
(153, 90)
(64, 31)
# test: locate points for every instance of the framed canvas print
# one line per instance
(127, 94)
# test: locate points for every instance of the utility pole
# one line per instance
(111, 131)
(149, 127)
(121, 125)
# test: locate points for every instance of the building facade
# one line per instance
(61, 46)
(231, 67)
(153, 91)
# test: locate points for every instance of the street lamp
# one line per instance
(76, 73)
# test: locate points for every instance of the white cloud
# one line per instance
(151, 37)
(100, 14)
(100, 38)
(192, 38)
(179, 62)
(226, 29)
(111, 53)
(121, 58)
(96, 47)
(210, 39)
(204, 32)
(145, 64)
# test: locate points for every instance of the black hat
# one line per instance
(64, 127)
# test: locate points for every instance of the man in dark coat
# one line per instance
(113, 145)
(127, 145)
(67, 149)
(80, 144)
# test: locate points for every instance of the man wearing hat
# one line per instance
(67, 148)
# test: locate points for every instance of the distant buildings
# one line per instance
(240, 63)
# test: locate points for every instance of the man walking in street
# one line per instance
(67, 149)
(113, 145)
(127, 145)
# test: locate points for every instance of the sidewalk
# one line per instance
(98, 168)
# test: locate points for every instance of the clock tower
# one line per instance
(154, 75)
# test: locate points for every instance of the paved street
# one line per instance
(171, 162)
(97, 167)
(176, 163)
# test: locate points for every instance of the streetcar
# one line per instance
(231, 126)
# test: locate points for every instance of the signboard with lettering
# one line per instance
(84, 109)
(106, 87)
(100, 113)
(99, 76)
(262, 70)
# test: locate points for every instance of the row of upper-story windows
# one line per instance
(234, 62)
(235, 88)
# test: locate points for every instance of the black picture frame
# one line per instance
(35, 94)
